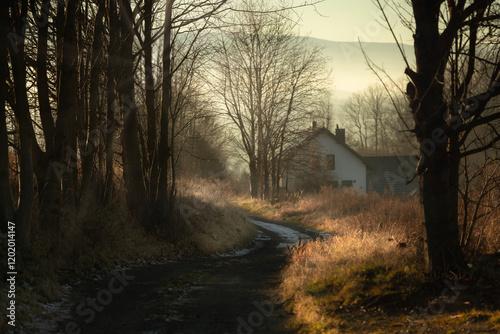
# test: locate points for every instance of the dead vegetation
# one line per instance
(369, 277)
(108, 235)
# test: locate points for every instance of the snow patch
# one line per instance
(53, 314)
(290, 237)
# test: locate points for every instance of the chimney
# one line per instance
(340, 134)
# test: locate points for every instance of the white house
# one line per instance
(323, 158)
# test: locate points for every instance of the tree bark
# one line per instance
(89, 178)
(163, 204)
(443, 251)
(113, 56)
(21, 109)
(132, 164)
(7, 212)
(254, 178)
(152, 142)
(60, 188)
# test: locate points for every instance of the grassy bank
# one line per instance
(107, 236)
(369, 277)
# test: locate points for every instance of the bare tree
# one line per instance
(479, 194)
(71, 118)
(7, 211)
(182, 18)
(324, 113)
(451, 93)
(266, 77)
(356, 117)
(21, 110)
(377, 109)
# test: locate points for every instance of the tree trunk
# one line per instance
(89, 179)
(164, 153)
(21, 109)
(132, 166)
(254, 179)
(443, 252)
(62, 163)
(7, 212)
(67, 107)
(113, 56)
(43, 83)
(152, 148)
(441, 225)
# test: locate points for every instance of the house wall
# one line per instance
(391, 174)
(347, 165)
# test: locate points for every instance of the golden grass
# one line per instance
(348, 213)
(374, 253)
(326, 276)
(373, 261)
(213, 223)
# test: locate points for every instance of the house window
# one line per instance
(347, 183)
(330, 161)
(315, 161)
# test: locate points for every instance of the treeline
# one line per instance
(90, 101)
(271, 84)
(378, 121)
(101, 97)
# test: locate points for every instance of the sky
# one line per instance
(348, 20)
(353, 21)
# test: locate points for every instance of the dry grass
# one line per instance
(107, 235)
(347, 213)
(325, 277)
(373, 255)
(369, 276)
(213, 224)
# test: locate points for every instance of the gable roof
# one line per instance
(309, 135)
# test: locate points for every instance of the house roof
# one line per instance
(391, 173)
(312, 133)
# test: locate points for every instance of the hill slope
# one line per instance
(349, 68)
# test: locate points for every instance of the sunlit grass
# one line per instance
(212, 223)
(367, 276)
(324, 277)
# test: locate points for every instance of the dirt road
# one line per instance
(232, 293)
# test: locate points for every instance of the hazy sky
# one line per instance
(348, 20)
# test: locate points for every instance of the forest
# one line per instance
(124, 122)
(106, 97)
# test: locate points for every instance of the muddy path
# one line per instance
(231, 293)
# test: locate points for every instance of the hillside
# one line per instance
(349, 69)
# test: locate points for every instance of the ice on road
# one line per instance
(290, 237)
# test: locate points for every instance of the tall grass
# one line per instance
(212, 223)
(374, 252)
(373, 259)
(348, 213)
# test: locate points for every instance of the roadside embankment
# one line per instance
(107, 237)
